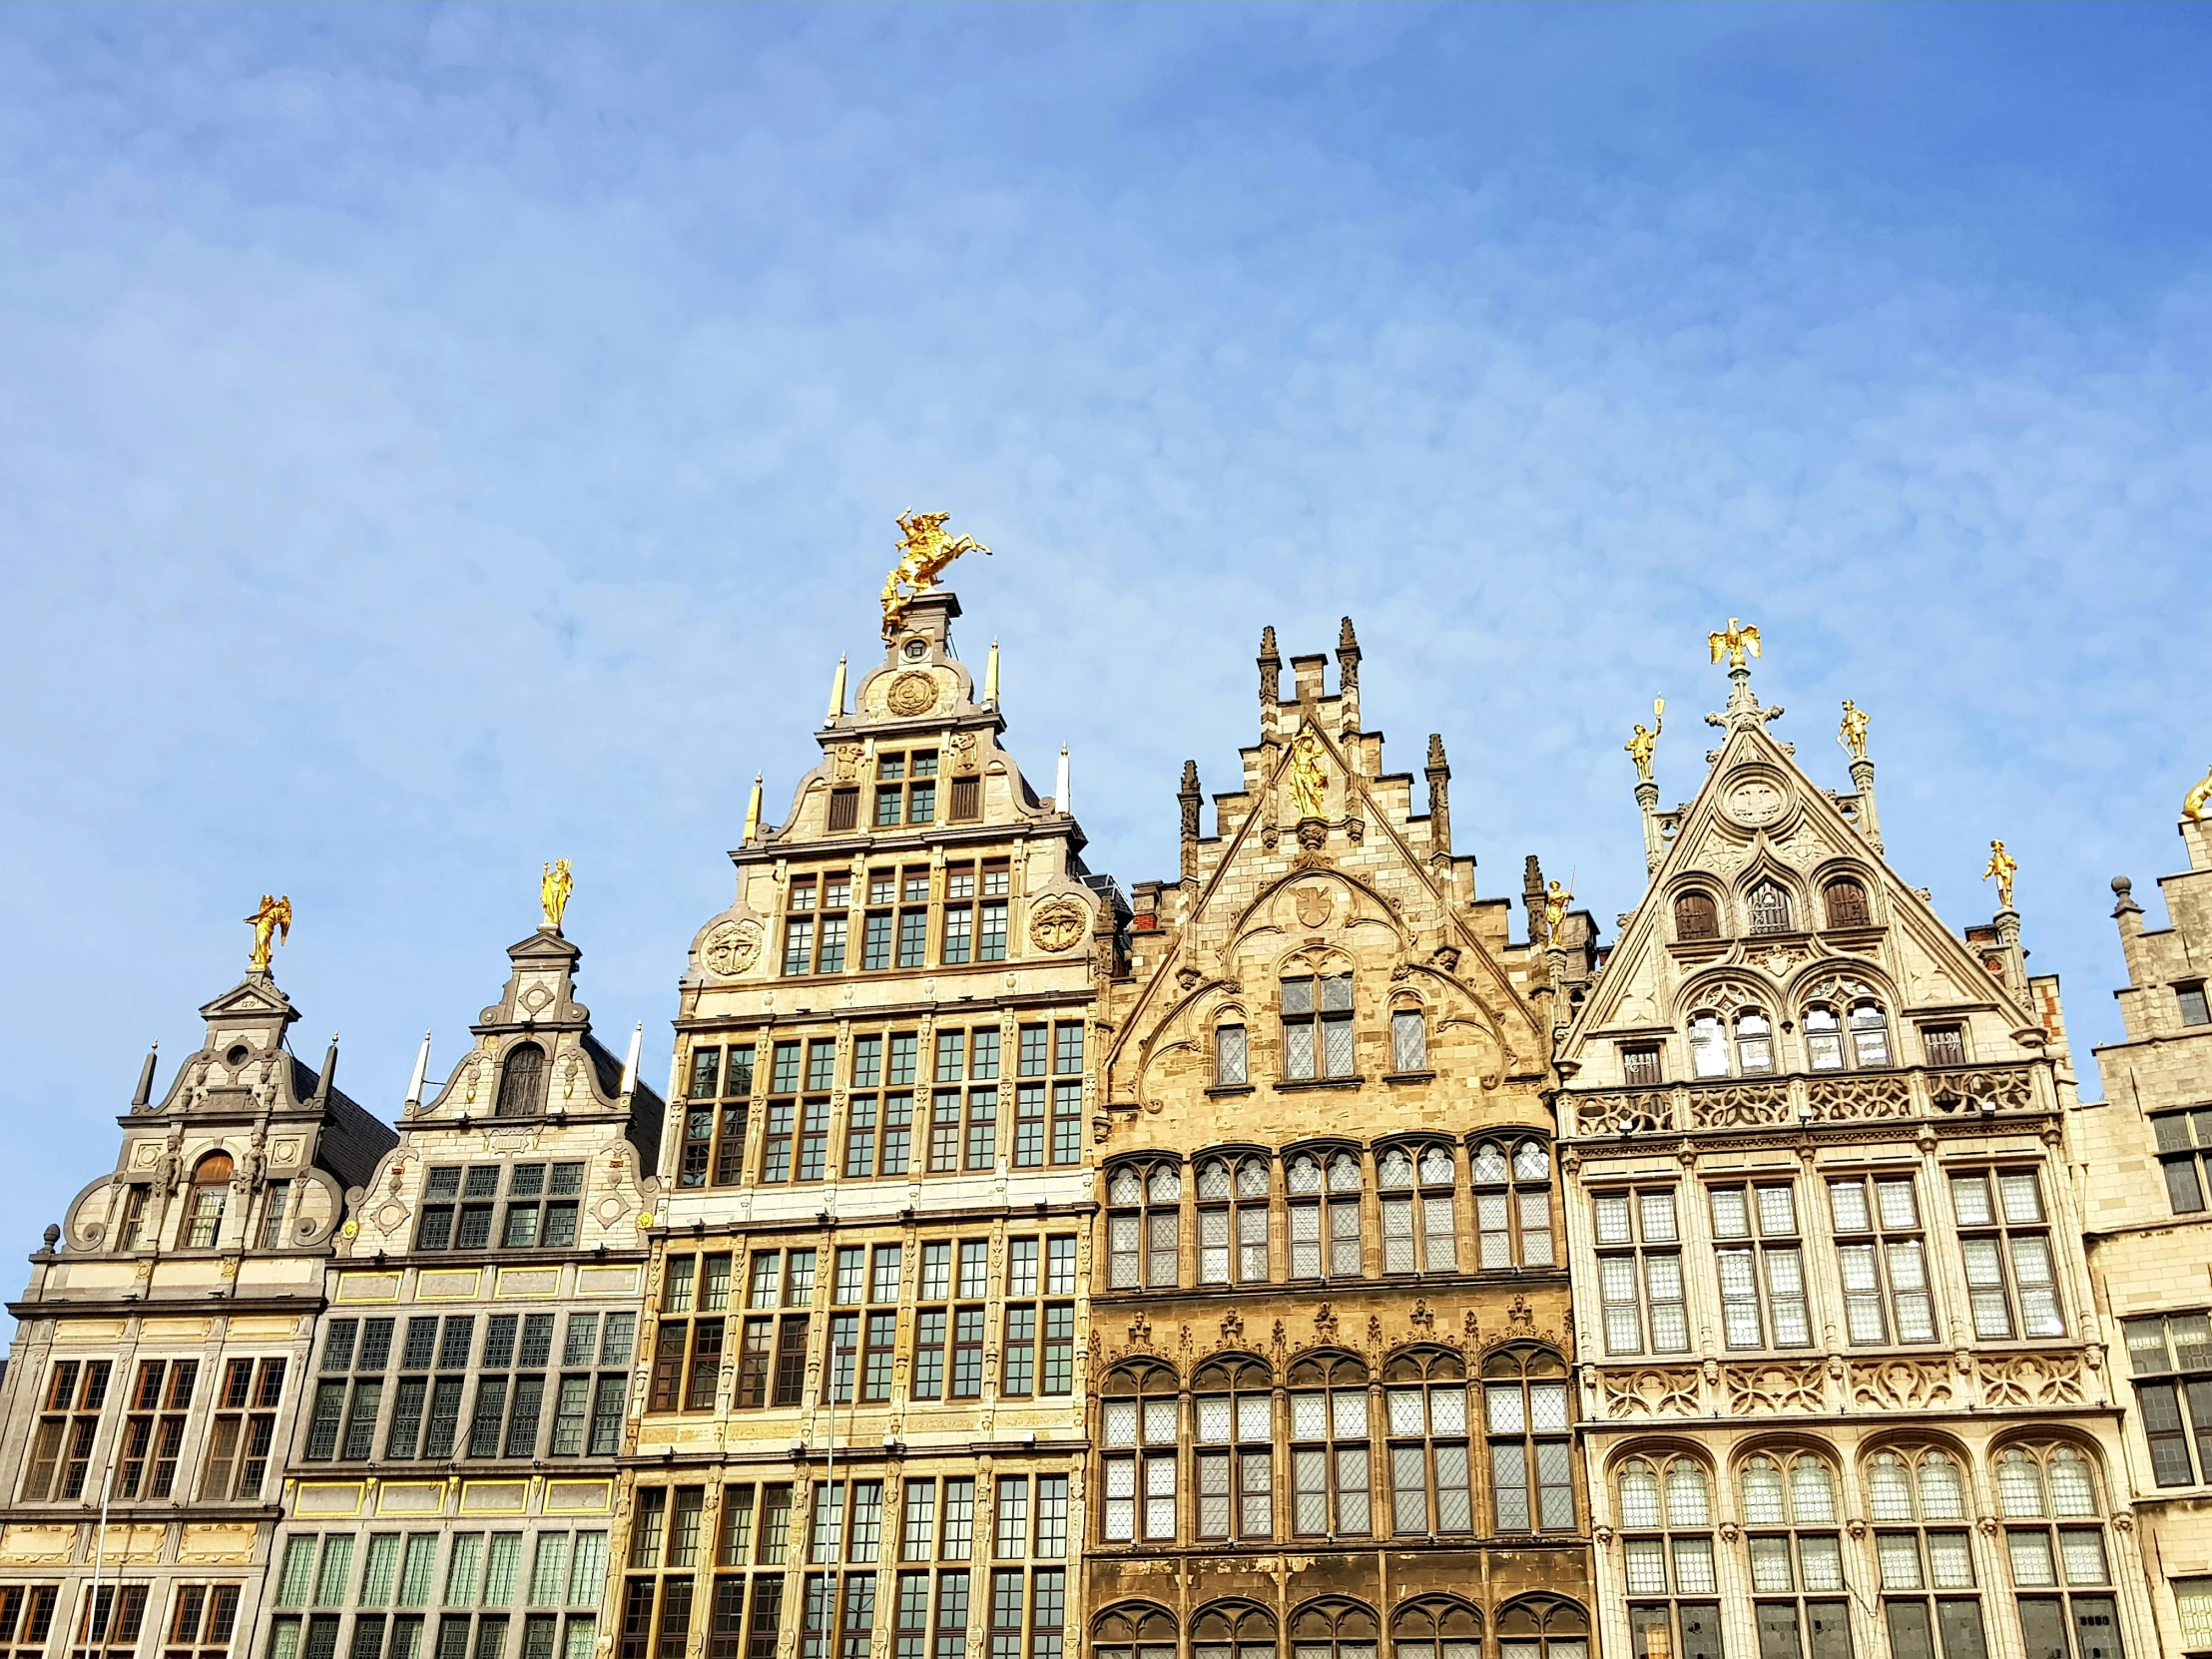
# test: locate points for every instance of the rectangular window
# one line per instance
(2190, 1001)
(1408, 1041)
(1882, 1259)
(1944, 1046)
(2011, 1283)
(1640, 1068)
(1761, 1268)
(1641, 1289)
(2185, 1141)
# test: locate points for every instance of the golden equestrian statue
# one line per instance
(924, 551)
(2002, 866)
(2196, 806)
(273, 915)
(1738, 638)
(1646, 740)
(1852, 733)
(554, 886)
(1557, 900)
(1309, 775)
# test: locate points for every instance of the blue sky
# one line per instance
(432, 441)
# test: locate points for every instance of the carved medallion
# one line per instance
(1056, 924)
(1314, 905)
(1754, 802)
(732, 948)
(911, 695)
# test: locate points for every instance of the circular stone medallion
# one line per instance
(911, 695)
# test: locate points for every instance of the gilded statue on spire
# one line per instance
(272, 917)
(1309, 775)
(1557, 900)
(1733, 642)
(1646, 739)
(923, 552)
(2002, 867)
(554, 886)
(2196, 806)
(1852, 733)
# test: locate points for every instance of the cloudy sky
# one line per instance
(432, 441)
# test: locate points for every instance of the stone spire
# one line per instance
(1440, 799)
(1190, 800)
(1348, 678)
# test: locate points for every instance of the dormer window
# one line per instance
(1770, 908)
(522, 1082)
(1695, 916)
(2191, 1001)
(906, 788)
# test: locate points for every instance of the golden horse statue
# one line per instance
(2196, 806)
(923, 552)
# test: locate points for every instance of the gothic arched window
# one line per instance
(1542, 1627)
(1136, 1435)
(1924, 1555)
(1133, 1630)
(1435, 1627)
(522, 1082)
(1233, 1630)
(1789, 1520)
(1420, 1230)
(1334, 1628)
(1527, 1416)
(1233, 1221)
(1770, 908)
(1512, 1205)
(1324, 1214)
(2062, 1567)
(1143, 1225)
(1666, 1518)
(1329, 1447)
(1233, 1402)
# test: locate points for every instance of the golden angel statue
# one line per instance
(1733, 642)
(554, 886)
(923, 552)
(273, 915)
(2196, 806)
(1557, 900)
(1646, 739)
(1309, 775)
(1852, 733)
(2002, 867)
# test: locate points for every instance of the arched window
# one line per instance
(1695, 916)
(1333, 1628)
(1419, 1231)
(1324, 1214)
(1923, 1554)
(1666, 1522)
(1770, 908)
(1143, 1225)
(1133, 1631)
(1846, 901)
(1435, 1627)
(1542, 1627)
(1233, 1403)
(1233, 1221)
(2056, 1545)
(210, 1189)
(522, 1082)
(1329, 1447)
(1233, 1630)
(1316, 1027)
(1425, 1404)
(1512, 1205)
(1708, 1046)
(1754, 1044)
(1789, 1520)
(1525, 1415)
(1136, 1417)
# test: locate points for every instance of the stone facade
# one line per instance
(2144, 1171)
(1843, 1380)
(1329, 1351)
(454, 1467)
(862, 1420)
(1019, 1271)
(161, 1352)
